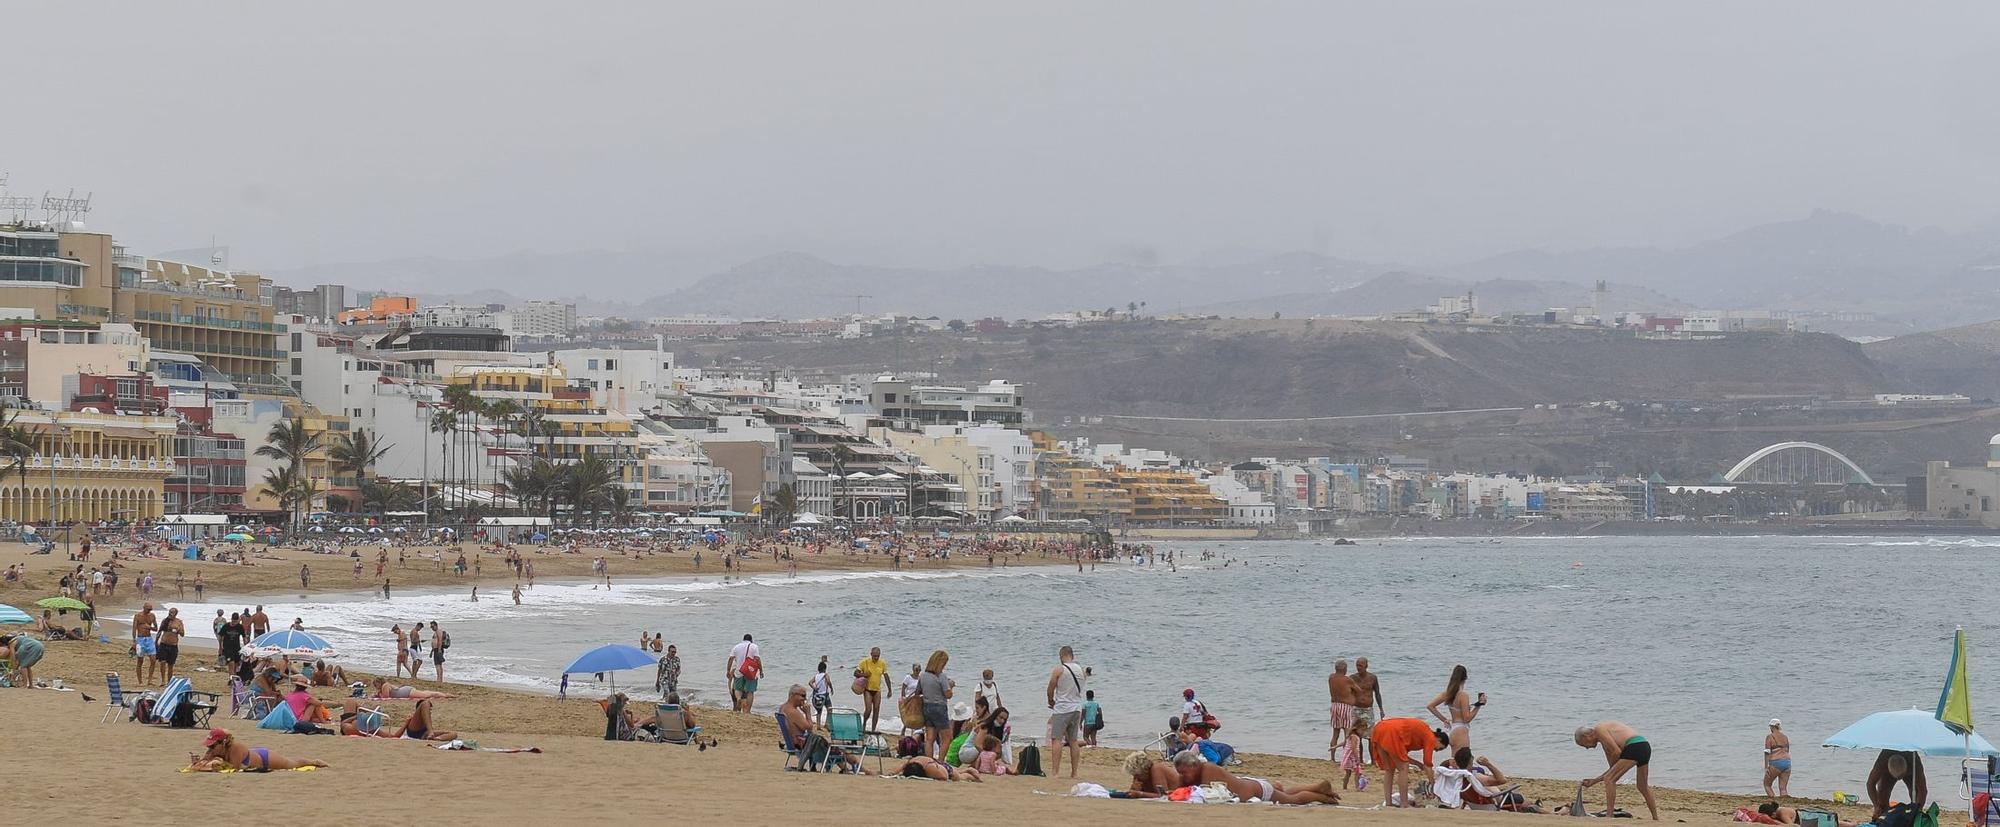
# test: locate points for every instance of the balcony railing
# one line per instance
(204, 321)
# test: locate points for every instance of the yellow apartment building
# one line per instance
(90, 467)
(1163, 496)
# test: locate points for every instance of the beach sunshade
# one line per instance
(240, 528)
(62, 603)
(292, 643)
(1910, 730)
(238, 537)
(1954, 708)
(9, 614)
(610, 657)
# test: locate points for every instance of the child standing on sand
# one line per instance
(1350, 764)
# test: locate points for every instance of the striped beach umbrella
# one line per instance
(293, 644)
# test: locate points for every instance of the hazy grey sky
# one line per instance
(948, 132)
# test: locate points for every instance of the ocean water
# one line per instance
(1695, 641)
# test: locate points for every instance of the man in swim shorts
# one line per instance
(143, 644)
(1342, 693)
(1368, 704)
(1624, 750)
(168, 649)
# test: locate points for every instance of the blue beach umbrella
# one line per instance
(1910, 730)
(608, 658)
(292, 643)
(9, 614)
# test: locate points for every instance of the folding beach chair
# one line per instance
(1978, 779)
(844, 732)
(117, 700)
(670, 725)
(786, 748)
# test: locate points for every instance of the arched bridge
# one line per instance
(1797, 463)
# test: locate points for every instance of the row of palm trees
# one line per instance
(588, 486)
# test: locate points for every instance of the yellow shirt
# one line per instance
(874, 669)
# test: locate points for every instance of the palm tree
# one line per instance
(523, 484)
(17, 446)
(585, 484)
(445, 425)
(289, 441)
(356, 451)
(282, 483)
(841, 454)
(531, 425)
(784, 504)
(387, 495)
(618, 501)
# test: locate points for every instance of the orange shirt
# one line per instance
(1396, 738)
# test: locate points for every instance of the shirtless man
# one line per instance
(143, 644)
(1195, 771)
(402, 649)
(259, 623)
(168, 649)
(1891, 767)
(1368, 704)
(1624, 750)
(1342, 692)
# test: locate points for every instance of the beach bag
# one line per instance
(1028, 760)
(860, 684)
(951, 753)
(183, 717)
(912, 711)
(1576, 807)
(1817, 818)
(142, 709)
(750, 667)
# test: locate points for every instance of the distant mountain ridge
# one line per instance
(1825, 261)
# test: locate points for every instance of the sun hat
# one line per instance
(1776, 722)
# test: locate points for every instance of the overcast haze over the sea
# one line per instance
(945, 134)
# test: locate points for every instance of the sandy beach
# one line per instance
(122, 771)
(578, 775)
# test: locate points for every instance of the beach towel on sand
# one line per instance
(473, 746)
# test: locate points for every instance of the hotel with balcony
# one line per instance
(219, 316)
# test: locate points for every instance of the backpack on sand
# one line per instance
(1028, 760)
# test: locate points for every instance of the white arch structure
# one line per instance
(1785, 446)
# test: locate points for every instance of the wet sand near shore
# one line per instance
(91, 773)
(276, 570)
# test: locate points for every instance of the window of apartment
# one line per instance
(590, 364)
(889, 398)
(298, 366)
(611, 364)
(298, 342)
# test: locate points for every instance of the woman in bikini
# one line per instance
(383, 691)
(1195, 771)
(1461, 707)
(418, 727)
(924, 766)
(226, 753)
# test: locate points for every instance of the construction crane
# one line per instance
(857, 297)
